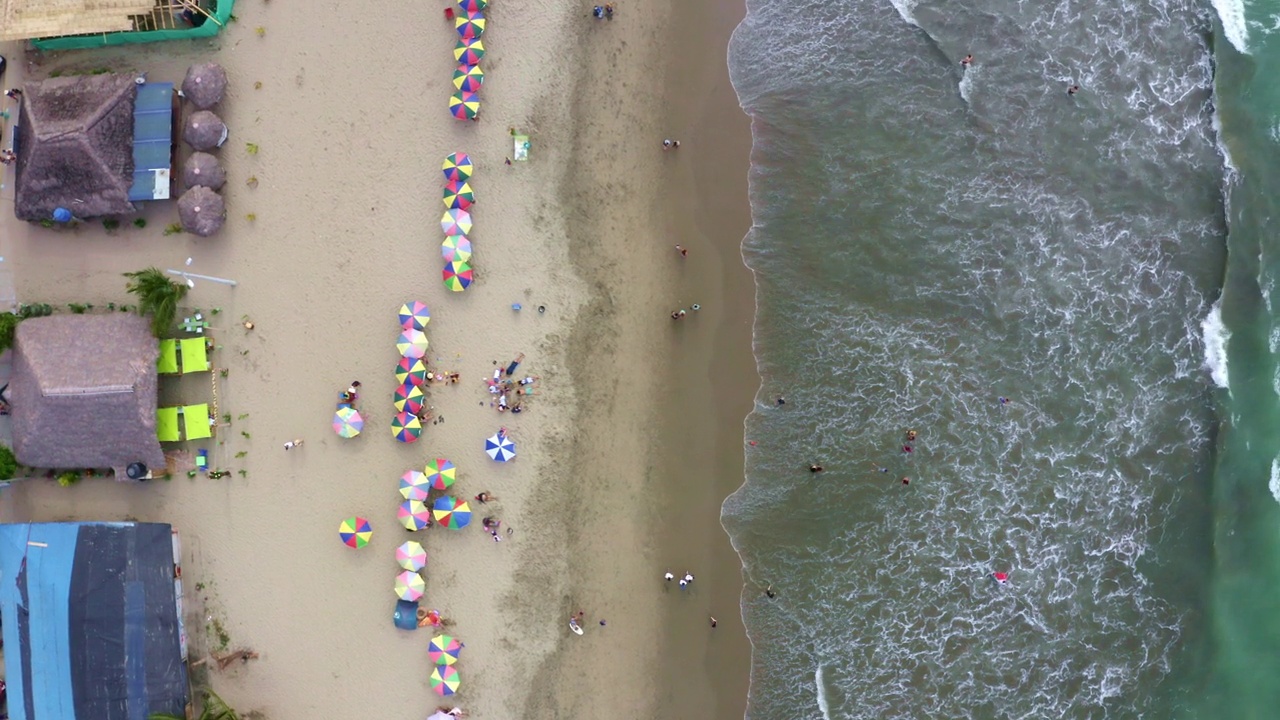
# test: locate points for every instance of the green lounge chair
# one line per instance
(196, 421)
(195, 357)
(167, 424)
(167, 363)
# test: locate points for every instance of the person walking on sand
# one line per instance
(713, 621)
(668, 576)
(670, 144)
(597, 12)
(684, 252)
(678, 314)
(293, 443)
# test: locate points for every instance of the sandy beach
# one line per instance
(625, 453)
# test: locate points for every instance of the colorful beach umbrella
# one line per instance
(355, 532)
(468, 52)
(469, 25)
(347, 422)
(408, 398)
(464, 105)
(414, 316)
(458, 194)
(411, 371)
(457, 276)
(468, 6)
(441, 473)
(412, 344)
(444, 649)
(456, 248)
(445, 680)
(414, 485)
(409, 585)
(413, 515)
(411, 556)
(457, 166)
(405, 427)
(468, 77)
(451, 512)
(456, 222)
(500, 447)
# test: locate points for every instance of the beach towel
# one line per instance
(521, 148)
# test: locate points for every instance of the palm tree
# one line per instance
(214, 709)
(158, 296)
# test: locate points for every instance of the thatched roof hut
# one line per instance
(75, 147)
(23, 19)
(83, 392)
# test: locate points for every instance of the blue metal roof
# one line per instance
(90, 621)
(152, 142)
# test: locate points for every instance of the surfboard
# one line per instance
(573, 625)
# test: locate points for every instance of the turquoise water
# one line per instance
(929, 239)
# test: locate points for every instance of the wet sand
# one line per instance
(626, 453)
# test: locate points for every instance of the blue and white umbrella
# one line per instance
(500, 447)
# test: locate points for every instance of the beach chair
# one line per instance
(167, 424)
(195, 355)
(406, 615)
(521, 148)
(167, 363)
(197, 422)
(202, 460)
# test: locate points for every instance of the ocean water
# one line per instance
(928, 239)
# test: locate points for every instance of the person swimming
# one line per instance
(999, 577)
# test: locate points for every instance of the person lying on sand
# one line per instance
(485, 497)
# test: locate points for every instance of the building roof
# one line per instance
(23, 19)
(83, 392)
(75, 147)
(90, 621)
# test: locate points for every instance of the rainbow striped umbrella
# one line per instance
(355, 532)
(468, 6)
(411, 556)
(469, 52)
(441, 473)
(405, 427)
(468, 77)
(445, 680)
(414, 485)
(444, 649)
(457, 166)
(413, 515)
(411, 371)
(457, 276)
(456, 222)
(456, 247)
(408, 398)
(412, 344)
(458, 194)
(464, 105)
(414, 316)
(347, 422)
(409, 585)
(469, 25)
(451, 512)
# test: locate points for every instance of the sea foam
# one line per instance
(1216, 336)
(1234, 26)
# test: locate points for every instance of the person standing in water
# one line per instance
(966, 61)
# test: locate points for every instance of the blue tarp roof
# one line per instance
(152, 141)
(90, 619)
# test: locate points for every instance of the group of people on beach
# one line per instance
(510, 393)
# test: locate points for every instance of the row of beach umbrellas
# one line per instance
(456, 221)
(468, 78)
(411, 371)
(443, 650)
(201, 210)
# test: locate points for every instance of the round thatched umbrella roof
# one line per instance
(204, 85)
(201, 211)
(204, 131)
(203, 169)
